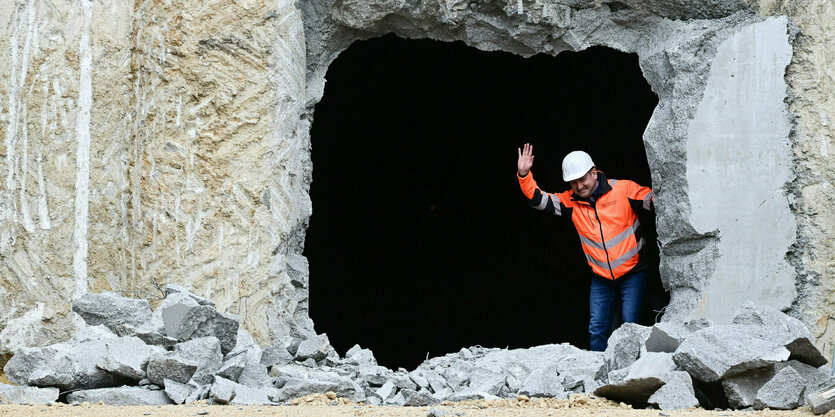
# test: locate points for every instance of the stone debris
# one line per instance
(783, 392)
(13, 394)
(187, 351)
(128, 356)
(625, 345)
(722, 351)
(120, 396)
(677, 392)
(112, 310)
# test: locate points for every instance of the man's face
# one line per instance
(585, 185)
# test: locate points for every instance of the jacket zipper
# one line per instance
(603, 241)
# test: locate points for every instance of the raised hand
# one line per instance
(525, 161)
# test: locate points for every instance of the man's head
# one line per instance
(578, 170)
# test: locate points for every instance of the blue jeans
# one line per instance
(630, 289)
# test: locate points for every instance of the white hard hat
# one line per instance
(575, 165)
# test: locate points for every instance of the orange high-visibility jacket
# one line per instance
(606, 222)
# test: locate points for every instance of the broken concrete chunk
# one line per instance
(420, 398)
(631, 391)
(170, 366)
(677, 392)
(275, 355)
(253, 374)
(625, 345)
(127, 356)
(374, 375)
(722, 351)
(666, 337)
(386, 391)
(185, 322)
(804, 350)
(111, 310)
(751, 314)
(341, 386)
(741, 390)
(359, 356)
(783, 392)
(315, 347)
(120, 396)
(68, 365)
(13, 394)
(245, 395)
(543, 382)
(178, 392)
(651, 364)
(205, 353)
(223, 390)
(471, 395)
(232, 368)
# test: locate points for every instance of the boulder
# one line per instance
(543, 382)
(185, 319)
(68, 365)
(677, 392)
(359, 356)
(651, 364)
(222, 390)
(666, 337)
(127, 356)
(741, 390)
(314, 347)
(635, 391)
(112, 310)
(783, 392)
(275, 355)
(342, 386)
(722, 351)
(120, 396)
(420, 398)
(169, 365)
(13, 394)
(178, 392)
(203, 352)
(625, 345)
(254, 373)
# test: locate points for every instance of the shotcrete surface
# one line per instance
(469, 409)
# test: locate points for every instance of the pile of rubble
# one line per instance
(186, 351)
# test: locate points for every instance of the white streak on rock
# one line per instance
(26, 216)
(43, 208)
(82, 173)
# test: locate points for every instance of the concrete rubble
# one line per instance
(663, 366)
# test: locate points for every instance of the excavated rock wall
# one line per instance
(152, 142)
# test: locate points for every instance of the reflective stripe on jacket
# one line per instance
(606, 222)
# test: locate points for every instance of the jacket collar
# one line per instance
(603, 187)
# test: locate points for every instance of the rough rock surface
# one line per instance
(160, 172)
(120, 396)
(722, 351)
(11, 394)
(783, 392)
(676, 393)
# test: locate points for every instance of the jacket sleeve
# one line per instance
(538, 199)
(639, 197)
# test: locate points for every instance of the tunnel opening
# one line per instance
(421, 242)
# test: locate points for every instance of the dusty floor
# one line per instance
(319, 405)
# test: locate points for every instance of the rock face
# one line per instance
(118, 176)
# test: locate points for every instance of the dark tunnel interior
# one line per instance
(421, 241)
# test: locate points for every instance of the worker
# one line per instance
(604, 213)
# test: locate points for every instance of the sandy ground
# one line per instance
(319, 405)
